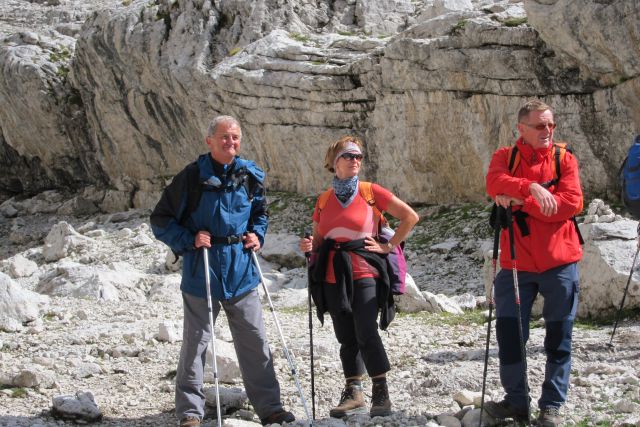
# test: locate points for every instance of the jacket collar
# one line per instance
(530, 155)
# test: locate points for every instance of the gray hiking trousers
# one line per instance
(249, 338)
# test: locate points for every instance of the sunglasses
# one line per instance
(351, 156)
(541, 126)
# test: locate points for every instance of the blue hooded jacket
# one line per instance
(224, 210)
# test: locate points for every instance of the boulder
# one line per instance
(609, 252)
(227, 361)
(81, 407)
(63, 240)
(18, 306)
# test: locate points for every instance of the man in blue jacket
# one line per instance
(229, 217)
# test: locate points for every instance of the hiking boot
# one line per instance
(549, 417)
(278, 418)
(351, 402)
(503, 410)
(380, 403)
(190, 422)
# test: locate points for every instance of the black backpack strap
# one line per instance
(194, 191)
(557, 160)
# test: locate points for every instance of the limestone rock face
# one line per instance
(433, 87)
(592, 35)
(42, 140)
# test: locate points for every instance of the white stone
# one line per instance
(227, 361)
(440, 302)
(82, 406)
(167, 332)
(231, 398)
(465, 397)
(17, 305)
(445, 247)
(19, 266)
(62, 240)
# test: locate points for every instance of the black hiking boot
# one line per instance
(351, 402)
(380, 403)
(503, 410)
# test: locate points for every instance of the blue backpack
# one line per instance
(630, 179)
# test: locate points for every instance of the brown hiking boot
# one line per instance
(351, 402)
(549, 417)
(380, 403)
(190, 422)
(279, 417)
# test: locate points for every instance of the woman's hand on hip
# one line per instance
(372, 245)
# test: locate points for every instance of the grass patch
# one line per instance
(458, 28)
(59, 55)
(126, 2)
(234, 51)
(19, 392)
(515, 22)
(468, 318)
(302, 38)
(293, 310)
(63, 71)
(16, 392)
(49, 317)
(347, 33)
(608, 319)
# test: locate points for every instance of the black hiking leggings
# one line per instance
(361, 348)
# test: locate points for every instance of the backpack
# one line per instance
(396, 258)
(629, 176)
(559, 150)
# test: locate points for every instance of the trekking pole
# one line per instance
(205, 254)
(307, 256)
(494, 262)
(292, 365)
(516, 291)
(624, 295)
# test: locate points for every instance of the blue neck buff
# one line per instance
(345, 189)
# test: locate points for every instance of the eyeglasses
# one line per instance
(541, 126)
(351, 156)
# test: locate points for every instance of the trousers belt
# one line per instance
(226, 240)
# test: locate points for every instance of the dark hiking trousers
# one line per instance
(357, 332)
(559, 287)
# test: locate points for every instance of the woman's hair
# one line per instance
(338, 146)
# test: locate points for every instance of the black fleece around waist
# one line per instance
(343, 271)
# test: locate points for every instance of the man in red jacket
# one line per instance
(546, 255)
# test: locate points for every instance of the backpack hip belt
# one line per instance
(226, 240)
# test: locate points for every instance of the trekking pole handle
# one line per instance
(307, 235)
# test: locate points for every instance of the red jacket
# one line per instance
(553, 240)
